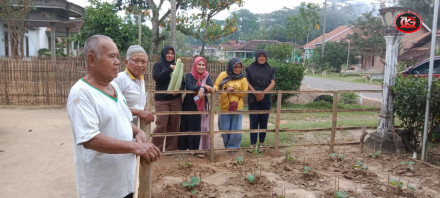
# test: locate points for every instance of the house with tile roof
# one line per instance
(414, 46)
(339, 34)
(243, 49)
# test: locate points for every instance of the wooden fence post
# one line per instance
(334, 120)
(145, 169)
(211, 126)
(277, 126)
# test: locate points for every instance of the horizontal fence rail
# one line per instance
(278, 111)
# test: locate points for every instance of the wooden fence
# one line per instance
(331, 143)
(42, 81)
(37, 81)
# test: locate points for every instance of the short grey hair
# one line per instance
(93, 45)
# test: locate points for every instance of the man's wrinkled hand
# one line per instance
(148, 151)
(146, 116)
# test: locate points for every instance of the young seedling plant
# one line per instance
(190, 185)
(342, 194)
(251, 178)
(308, 172)
(337, 157)
(410, 165)
(184, 164)
(399, 185)
(289, 158)
(239, 159)
(360, 166)
(375, 155)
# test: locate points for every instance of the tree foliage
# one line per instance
(157, 15)
(367, 39)
(202, 25)
(335, 56)
(280, 52)
(247, 24)
(409, 105)
(101, 18)
(302, 23)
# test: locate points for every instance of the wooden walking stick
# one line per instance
(143, 169)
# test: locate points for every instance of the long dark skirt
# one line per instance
(189, 123)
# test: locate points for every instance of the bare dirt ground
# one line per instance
(36, 160)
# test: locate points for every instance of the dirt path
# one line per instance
(36, 152)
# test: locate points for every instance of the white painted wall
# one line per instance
(43, 40)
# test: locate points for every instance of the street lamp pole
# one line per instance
(383, 137)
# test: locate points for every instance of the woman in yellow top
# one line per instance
(231, 80)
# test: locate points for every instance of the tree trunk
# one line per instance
(155, 36)
(205, 35)
(173, 24)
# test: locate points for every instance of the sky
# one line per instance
(254, 6)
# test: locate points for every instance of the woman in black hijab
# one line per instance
(261, 77)
(166, 102)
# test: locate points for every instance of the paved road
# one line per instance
(326, 84)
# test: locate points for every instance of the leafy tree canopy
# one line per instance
(335, 56)
(367, 38)
(101, 18)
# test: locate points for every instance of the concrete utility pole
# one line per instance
(431, 67)
(173, 24)
(323, 29)
(348, 52)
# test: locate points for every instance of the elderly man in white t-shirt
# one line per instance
(132, 85)
(104, 150)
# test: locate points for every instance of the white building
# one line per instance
(34, 39)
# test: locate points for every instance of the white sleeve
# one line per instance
(83, 117)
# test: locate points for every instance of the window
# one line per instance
(27, 46)
(424, 68)
(421, 69)
(6, 44)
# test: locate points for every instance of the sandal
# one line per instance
(251, 149)
(201, 155)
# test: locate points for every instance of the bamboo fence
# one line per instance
(42, 81)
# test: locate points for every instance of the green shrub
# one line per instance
(349, 98)
(43, 52)
(288, 77)
(410, 103)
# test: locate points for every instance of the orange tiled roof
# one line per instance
(338, 34)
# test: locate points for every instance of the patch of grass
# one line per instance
(346, 78)
(315, 120)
